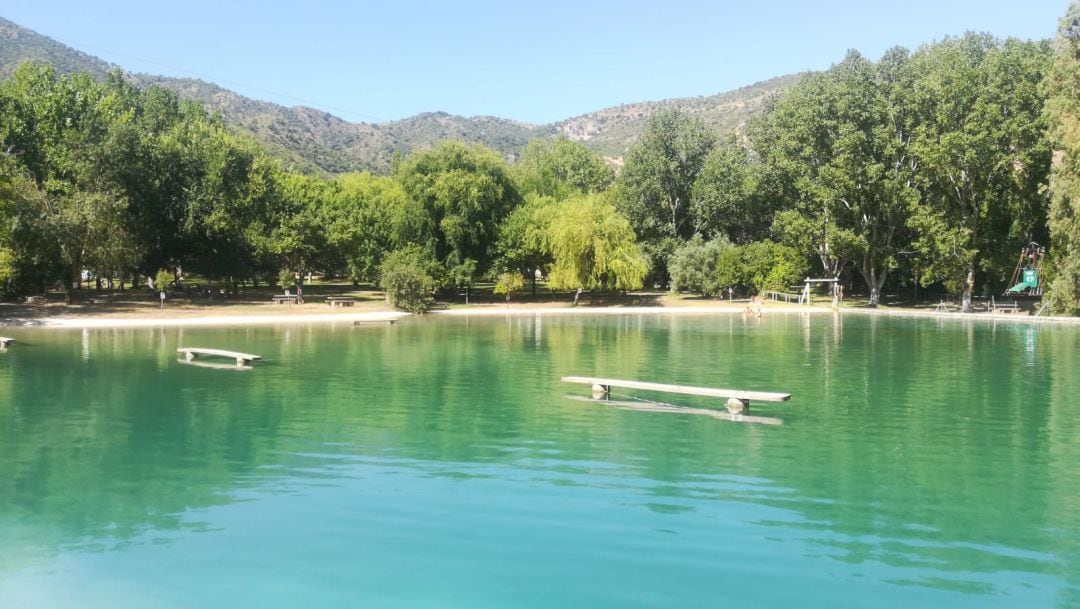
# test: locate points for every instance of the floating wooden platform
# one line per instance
(5, 341)
(242, 359)
(737, 405)
(764, 396)
(389, 320)
(213, 365)
(671, 408)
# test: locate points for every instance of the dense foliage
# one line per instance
(409, 276)
(1063, 111)
(928, 167)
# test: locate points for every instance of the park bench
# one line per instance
(1007, 307)
(340, 301)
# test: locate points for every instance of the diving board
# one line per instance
(242, 359)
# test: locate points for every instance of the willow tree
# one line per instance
(1063, 112)
(593, 247)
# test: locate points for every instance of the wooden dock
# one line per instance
(242, 359)
(738, 401)
(388, 320)
(5, 341)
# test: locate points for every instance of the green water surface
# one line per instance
(438, 463)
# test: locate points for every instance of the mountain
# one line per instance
(612, 131)
(314, 141)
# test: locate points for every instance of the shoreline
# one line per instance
(126, 321)
(106, 321)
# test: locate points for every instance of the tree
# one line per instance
(728, 199)
(561, 168)
(593, 247)
(1063, 114)
(523, 236)
(458, 194)
(508, 283)
(694, 266)
(759, 266)
(980, 141)
(657, 181)
(359, 218)
(410, 277)
(841, 138)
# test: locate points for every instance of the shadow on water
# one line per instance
(927, 454)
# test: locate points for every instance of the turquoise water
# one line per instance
(438, 463)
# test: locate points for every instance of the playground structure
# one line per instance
(834, 283)
(1026, 279)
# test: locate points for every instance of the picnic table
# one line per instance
(289, 298)
(1006, 307)
(340, 301)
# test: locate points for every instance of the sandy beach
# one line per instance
(60, 316)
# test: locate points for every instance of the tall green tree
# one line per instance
(524, 236)
(458, 195)
(561, 168)
(1063, 114)
(657, 181)
(983, 154)
(359, 220)
(731, 197)
(841, 137)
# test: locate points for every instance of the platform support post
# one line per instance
(737, 406)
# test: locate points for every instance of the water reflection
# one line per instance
(915, 453)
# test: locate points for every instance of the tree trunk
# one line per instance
(874, 279)
(969, 287)
(72, 280)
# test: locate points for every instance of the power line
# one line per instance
(212, 79)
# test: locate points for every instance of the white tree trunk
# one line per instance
(969, 287)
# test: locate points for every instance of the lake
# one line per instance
(438, 462)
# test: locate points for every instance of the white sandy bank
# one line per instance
(221, 320)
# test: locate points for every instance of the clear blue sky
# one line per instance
(537, 62)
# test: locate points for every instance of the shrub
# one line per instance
(762, 265)
(771, 266)
(162, 280)
(409, 277)
(508, 283)
(286, 278)
(694, 266)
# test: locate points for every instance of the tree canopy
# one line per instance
(929, 167)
